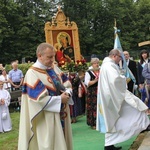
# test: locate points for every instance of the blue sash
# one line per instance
(59, 88)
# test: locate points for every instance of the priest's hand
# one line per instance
(2, 102)
(64, 97)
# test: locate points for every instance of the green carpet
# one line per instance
(85, 138)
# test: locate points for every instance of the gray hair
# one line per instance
(14, 63)
(42, 47)
(94, 60)
(114, 52)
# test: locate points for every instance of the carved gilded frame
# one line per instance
(61, 24)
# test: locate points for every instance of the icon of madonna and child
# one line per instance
(64, 50)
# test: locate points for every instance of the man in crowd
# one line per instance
(121, 114)
(132, 66)
(45, 118)
(15, 77)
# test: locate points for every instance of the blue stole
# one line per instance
(59, 86)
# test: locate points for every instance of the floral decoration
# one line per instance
(79, 65)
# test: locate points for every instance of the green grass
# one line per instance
(9, 140)
(84, 138)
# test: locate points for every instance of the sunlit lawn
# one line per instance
(9, 140)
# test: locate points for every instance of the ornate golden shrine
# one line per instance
(61, 26)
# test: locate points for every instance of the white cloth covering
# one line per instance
(120, 113)
(130, 123)
(5, 124)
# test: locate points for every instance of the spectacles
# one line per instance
(119, 56)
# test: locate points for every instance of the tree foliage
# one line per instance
(22, 25)
(22, 28)
(97, 35)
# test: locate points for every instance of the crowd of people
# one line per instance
(52, 100)
(9, 82)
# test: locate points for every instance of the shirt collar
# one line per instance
(127, 60)
(15, 69)
(38, 64)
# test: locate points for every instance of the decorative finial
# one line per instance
(59, 8)
(53, 21)
(68, 22)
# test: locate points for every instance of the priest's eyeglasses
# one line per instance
(119, 56)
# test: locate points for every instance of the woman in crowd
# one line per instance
(75, 109)
(5, 79)
(5, 121)
(91, 81)
(82, 91)
(144, 58)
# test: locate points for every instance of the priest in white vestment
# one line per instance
(120, 114)
(5, 121)
(45, 117)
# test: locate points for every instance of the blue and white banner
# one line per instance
(123, 65)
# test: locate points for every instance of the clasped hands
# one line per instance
(65, 97)
(16, 86)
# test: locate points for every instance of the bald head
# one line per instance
(126, 55)
(115, 55)
(14, 65)
(46, 54)
(42, 48)
(114, 52)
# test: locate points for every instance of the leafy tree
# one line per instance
(95, 19)
(22, 25)
(143, 21)
(23, 28)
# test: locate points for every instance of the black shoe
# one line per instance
(147, 129)
(117, 147)
(112, 147)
